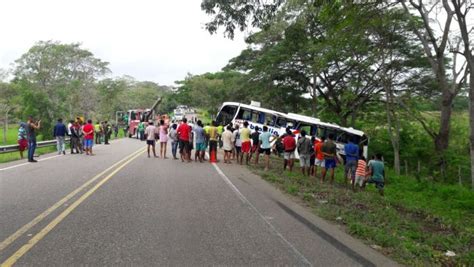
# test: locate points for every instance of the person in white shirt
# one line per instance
(150, 138)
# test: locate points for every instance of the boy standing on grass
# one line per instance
(360, 173)
(352, 155)
(377, 173)
(319, 161)
(304, 149)
(329, 151)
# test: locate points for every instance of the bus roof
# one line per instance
(255, 108)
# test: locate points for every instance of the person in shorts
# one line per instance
(200, 137)
(319, 161)
(289, 146)
(312, 157)
(351, 152)
(163, 136)
(265, 145)
(329, 151)
(173, 135)
(255, 145)
(377, 174)
(237, 143)
(88, 130)
(246, 144)
(184, 135)
(150, 138)
(22, 139)
(304, 149)
(227, 143)
(361, 173)
(213, 137)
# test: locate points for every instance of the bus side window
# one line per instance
(271, 119)
(255, 116)
(245, 114)
(306, 128)
(281, 122)
(261, 118)
(314, 130)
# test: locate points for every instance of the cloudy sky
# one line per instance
(155, 40)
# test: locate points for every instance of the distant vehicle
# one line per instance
(135, 116)
(181, 111)
(233, 112)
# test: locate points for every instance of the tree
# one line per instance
(326, 50)
(461, 9)
(238, 14)
(210, 90)
(62, 75)
(435, 48)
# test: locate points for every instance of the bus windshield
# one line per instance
(226, 115)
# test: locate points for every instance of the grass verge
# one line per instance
(416, 223)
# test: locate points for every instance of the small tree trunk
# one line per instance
(441, 140)
(393, 126)
(406, 168)
(471, 124)
(459, 175)
(314, 96)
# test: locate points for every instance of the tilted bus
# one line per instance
(234, 112)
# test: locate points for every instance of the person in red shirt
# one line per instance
(88, 130)
(319, 156)
(289, 145)
(183, 136)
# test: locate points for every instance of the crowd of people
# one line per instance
(238, 143)
(81, 136)
(318, 157)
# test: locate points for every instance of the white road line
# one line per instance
(26, 163)
(247, 202)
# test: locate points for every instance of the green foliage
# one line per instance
(415, 223)
(56, 80)
(208, 91)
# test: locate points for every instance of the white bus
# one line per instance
(233, 112)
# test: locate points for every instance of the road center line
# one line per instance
(5, 243)
(35, 239)
(252, 207)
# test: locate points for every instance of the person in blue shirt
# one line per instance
(351, 151)
(60, 135)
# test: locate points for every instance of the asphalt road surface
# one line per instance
(121, 208)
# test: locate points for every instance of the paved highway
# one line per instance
(122, 208)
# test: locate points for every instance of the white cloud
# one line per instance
(159, 41)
